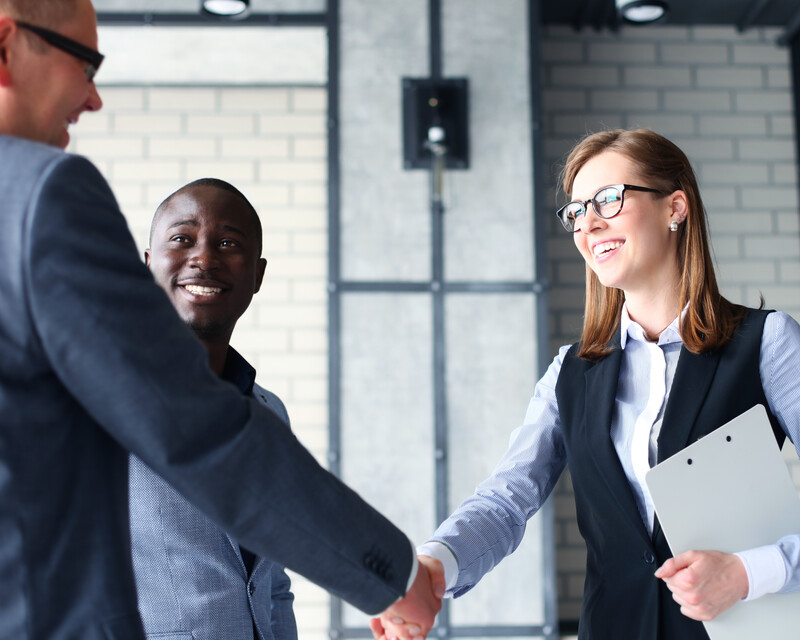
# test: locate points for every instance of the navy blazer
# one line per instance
(191, 577)
(94, 364)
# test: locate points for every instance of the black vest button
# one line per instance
(648, 557)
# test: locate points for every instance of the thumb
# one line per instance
(436, 572)
(438, 584)
(673, 565)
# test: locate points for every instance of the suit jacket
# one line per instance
(191, 577)
(94, 364)
(621, 598)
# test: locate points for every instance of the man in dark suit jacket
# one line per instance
(95, 363)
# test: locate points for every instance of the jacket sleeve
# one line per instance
(777, 567)
(490, 524)
(114, 341)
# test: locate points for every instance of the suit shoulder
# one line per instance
(272, 402)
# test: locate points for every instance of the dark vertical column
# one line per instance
(794, 55)
(334, 275)
(438, 311)
(540, 292)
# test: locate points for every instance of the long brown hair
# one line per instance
(711, 319)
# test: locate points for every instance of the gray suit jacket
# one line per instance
(95, 363)
(191, 578)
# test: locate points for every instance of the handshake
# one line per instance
(413, 616)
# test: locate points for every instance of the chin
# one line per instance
(205, 330)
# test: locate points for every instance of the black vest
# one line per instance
(622, 599)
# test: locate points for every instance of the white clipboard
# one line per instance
(731, 491)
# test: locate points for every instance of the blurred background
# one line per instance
(403, 157)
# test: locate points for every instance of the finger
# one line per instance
(673, 565)
(377, 629)
(395, 627)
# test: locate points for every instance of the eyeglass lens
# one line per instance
(606, 203)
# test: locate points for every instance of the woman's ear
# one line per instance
(679, 204)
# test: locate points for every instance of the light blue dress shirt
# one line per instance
(490, 524)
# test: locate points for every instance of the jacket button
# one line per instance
(648, 557)
(251, 588)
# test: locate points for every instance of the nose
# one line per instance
(203, 257)
(94, 102)
(590, 221)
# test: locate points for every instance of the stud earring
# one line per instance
(673, 226)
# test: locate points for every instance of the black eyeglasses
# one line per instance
(70, 46)
(607, 203)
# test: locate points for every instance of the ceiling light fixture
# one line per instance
(225, 8)
(642, 11)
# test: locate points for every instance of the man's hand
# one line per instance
(414, 615)
(705, 583)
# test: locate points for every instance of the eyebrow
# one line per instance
(222, 227)
(181, 223)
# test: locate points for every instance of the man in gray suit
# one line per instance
(95, 363)
(191, 577)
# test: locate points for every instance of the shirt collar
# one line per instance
(630, 329)
(239, 372)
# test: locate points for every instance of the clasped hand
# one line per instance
(414, 615)
(705, 583)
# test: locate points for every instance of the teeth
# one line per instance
(202, 291)
(605, 247)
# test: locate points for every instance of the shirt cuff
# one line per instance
(414, 568)
(442, 553)
(766, 571)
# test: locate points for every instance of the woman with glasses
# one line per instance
(663, 359)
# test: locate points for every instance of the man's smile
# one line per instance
(201, 291)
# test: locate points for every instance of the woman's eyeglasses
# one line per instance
(607, 203)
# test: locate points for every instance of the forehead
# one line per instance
(208, 207)
(608, 167)
(80, 24)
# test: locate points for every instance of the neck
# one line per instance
(217, 354)
(654, 313)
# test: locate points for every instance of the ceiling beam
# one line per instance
(198, 20)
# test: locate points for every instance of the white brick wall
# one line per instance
(724, 98)
(270, 143)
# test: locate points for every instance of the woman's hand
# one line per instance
(705, 583)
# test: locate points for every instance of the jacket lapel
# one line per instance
(601, 390)
(693, 377)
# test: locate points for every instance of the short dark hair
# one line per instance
(44, 13)
(217, 184)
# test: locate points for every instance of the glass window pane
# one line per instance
(387, 410)
(490, 378)
(167, 61)
(489, 217)
(385, 211)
